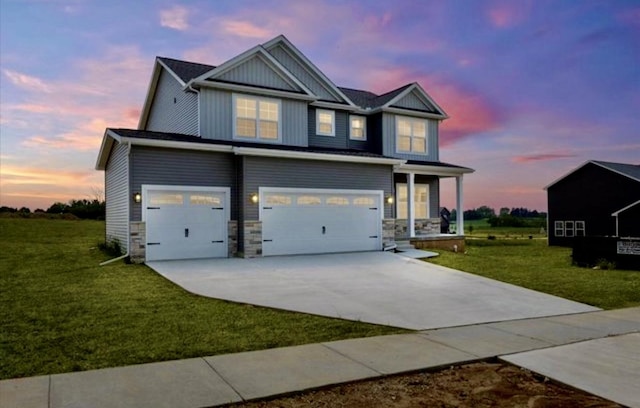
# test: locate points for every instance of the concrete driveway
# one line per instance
(374, 287)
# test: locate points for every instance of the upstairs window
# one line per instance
(325, 122)
(358, 128)
(256, 118)
(411, 135)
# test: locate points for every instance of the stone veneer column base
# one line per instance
(232, 238)
(252, 239)
(137, 242)
(424, 226)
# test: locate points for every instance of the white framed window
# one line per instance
(325, 122)
(558, 228)
(580, 229)
(420, 198)
(411, 135)
(568, 229)
(358, 128)
(256, 118)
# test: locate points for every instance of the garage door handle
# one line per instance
(217, 208)
(373, 236)
(373, 208)
(186, 232)
(153, 243)
(267, 208)
(217, 242)
(267, 240)
(153, 208)
(324, 230)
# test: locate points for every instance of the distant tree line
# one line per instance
(83, 209)
(507, 217)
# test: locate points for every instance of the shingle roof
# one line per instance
(186, 70)
(436, 164)
(629, 170)
(179, 137)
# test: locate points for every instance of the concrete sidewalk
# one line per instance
(573, 349)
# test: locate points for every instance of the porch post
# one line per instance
(459, 207)
(411, 205)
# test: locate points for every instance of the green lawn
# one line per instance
(60, 311)
(532, 264)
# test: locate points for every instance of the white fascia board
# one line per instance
(422, 94)
(335, 106)
(429, 99)
(224, 67)
(169, 70)
(615, 214)
(567, 174)
(253, 90)
(307, 65)
(432, 170)
(408, 112)
(173, 144)
(288, 154)
(151, 92)
(105, 149)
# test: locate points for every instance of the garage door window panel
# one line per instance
(166, 198)
(202, 199)
(309, 200)
(275, 199)
(337, 201)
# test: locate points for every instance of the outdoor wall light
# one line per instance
(254, 198)
(137, 198)
(389, 199)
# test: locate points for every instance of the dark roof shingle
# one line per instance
(186, 70)
(629, 170)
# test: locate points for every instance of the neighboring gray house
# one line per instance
(264, 155)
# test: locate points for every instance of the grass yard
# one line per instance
(532, 264)
(61, 312)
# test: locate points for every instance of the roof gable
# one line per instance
(256, 58)
(415, 98)
(303, 69)
(184, 71)
(628, 170)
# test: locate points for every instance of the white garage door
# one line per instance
(303, 221)
(185, 222)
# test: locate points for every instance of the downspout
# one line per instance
(107, 262)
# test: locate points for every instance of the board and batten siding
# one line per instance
(256, 72)
(216, 115)
(302, 74)
(389, 140)
(150, 165)
(339, 141)
(116, 181)
(294, 173)
(173, 110)
(411, 101)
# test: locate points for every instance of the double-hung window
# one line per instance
(411, 135)
(325, 122)
(256, 118)
(420, 199)
(559, 228)
(358, 128)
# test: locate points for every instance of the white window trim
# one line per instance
(364, 128)
(397, 199)
(426, 135)
(570, 229)
(580, 226)
(333, 122)
(258, 99)
(558, 226)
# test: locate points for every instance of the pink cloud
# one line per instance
(505, 14)
(532, 158)
(27, 82)
(175, 18)
(245, 29)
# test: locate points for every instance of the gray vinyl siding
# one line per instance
(116, 181)
(150, 165)
(411, 101)
(173, 110)
(389, 140)
(256, 72)
(216, 114)
(292, 173)
(309, 80)
(341, 138)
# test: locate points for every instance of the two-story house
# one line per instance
(265, 155)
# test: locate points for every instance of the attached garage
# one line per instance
(309, 221)
(185, 222)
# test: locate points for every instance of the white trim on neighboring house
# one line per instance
(615, 214)
(288, 47)
(592, 162)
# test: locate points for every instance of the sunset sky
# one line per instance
(533, 88)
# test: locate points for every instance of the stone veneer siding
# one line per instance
(232, 238)
(252, 239)
(426, 226)
(388, 232)
(137, 242)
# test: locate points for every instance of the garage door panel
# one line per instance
(317, 222)
(183, 224)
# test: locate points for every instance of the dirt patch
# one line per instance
(473, 385)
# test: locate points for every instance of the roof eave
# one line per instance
(443, 171)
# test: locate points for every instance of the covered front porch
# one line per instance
(417, 208)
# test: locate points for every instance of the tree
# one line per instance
(24, 210)
(505, 211)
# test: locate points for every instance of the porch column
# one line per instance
(411, 205)
(459, 207)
